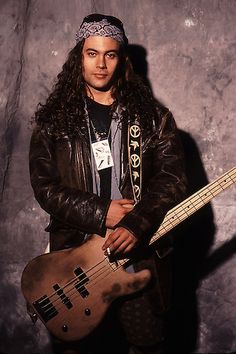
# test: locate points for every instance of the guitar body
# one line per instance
(71, 290)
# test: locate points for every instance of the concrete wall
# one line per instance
(189, 49)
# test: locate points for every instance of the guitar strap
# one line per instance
(135, 169)
(135, 159)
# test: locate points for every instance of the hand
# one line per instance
(117, 210)
(120, 241)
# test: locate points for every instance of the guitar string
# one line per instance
(99, 275)
(188, 206)
(73, 292)
(99, 269)
(72, 280)
(209, 189)
(78, 282)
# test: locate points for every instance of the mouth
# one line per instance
(100, 76)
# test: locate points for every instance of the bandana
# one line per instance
(102, 27)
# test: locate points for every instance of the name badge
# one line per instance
(102, 154)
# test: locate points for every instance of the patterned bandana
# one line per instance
(104, 27)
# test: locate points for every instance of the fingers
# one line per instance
(128, 206)
(115, 248)
(119, 244)
(126, 201)
(125, 247)
(119, 241)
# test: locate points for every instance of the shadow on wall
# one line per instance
(192, 261)
(192, 240)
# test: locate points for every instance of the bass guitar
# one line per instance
(71, 290)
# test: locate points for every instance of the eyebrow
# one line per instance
(107, 51)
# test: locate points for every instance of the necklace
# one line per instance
(99, 135)
(99, 118)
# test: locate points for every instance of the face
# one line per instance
(100, 61)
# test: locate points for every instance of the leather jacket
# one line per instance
(60, 171)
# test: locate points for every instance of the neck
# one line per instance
(100, 96)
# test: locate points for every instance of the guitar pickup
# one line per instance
(64, 299)
(45, 308)
(82, 279)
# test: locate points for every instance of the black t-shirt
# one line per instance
(100, 117)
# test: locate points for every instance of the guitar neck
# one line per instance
(192, 204)
(195, 202)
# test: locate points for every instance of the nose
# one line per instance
(101, 63)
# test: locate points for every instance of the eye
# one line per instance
(111, 55)
(91, 54)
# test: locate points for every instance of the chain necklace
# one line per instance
(99, 120)
(99, 135)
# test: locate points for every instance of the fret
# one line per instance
(165, 228)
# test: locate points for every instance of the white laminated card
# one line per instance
(102, 154)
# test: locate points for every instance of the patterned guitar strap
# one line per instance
(135, 159)
(135, 168)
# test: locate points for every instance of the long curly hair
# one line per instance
(64, 110)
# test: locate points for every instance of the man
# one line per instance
(105, 155)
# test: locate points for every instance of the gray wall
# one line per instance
(190, 56)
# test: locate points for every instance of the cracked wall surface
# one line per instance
(187, 49)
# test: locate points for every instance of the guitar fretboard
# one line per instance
(190, 205)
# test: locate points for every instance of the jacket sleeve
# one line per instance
(166, 186)
(73, 207)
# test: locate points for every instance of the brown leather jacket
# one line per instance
(61, 178)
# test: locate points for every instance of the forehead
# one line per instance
(101, 44)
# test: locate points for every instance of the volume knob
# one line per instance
(65, 328)
(87, 312)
